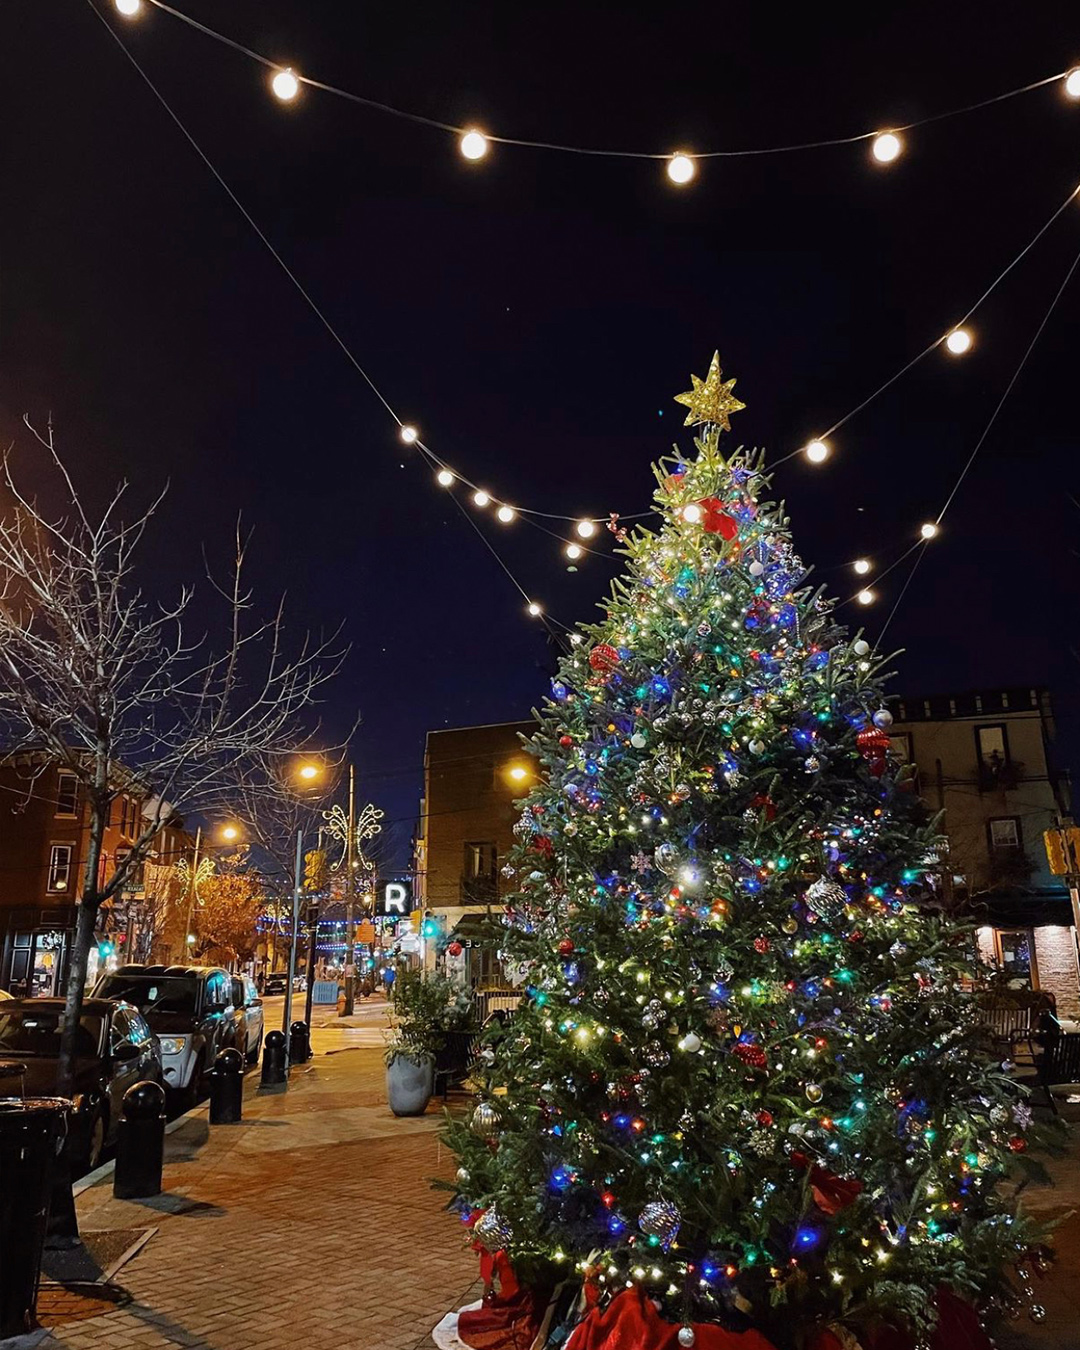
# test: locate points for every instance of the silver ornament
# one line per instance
(639, 740)
(527, 824)
(1037, 1312)
(898, 949)
(756, 568)
(704, 628)
(666, 857)
(655, 1055)
(756, 747)
(485, 1121)
(814, 1092)
(761, 1143)
(1000, 1115)
(825, 898)
(508, 870)
(811, 764)
(660, 1219)
(686, 1337)
(725, 971)
(861, 647)
(652, 1014)
(463, 1176)
(492, 1231)
(883, 719)
(570, 828)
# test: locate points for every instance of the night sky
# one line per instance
(536, 314)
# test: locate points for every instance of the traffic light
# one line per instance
(315, 870)
(430, 926)
(106, 948)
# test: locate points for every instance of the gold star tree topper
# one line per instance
(711, 399)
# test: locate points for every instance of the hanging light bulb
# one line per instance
(929, 530)
(506, 514)
(480, 498)
(285, 85)
(586, 528)
(573, 552)
(886, 146)
(691, 513)
(129, 8)
(862, 566)
(444, 478)
(866, 597)
(408, 434)
(958, 341)
(817, 452)
(474, 144)
(681, 168)
(1072, 83)
(534, 609)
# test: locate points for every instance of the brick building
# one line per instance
(472, 777)
(44, 830)
(986, 759)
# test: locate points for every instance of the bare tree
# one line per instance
(229, 907)
(120, 691)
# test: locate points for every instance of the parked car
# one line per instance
(253, 1019)
(278, 983)
(114, 1050)
(196, 1011)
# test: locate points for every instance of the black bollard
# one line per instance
(299, 1043)
(140, 1143)
(275, 1076)
(227, 1088)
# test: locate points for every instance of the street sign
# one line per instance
(394, 899)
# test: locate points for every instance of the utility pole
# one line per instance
(350, 899)
(313, 937)
(298, 878)
(191, 897)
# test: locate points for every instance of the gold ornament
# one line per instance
(711, 399)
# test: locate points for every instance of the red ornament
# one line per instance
(873, 743)
(1018, 1143)
(878, 766)
(455, 949)
(715, 520)
(761, 945)
(603, 658)
(751, 1055)
(760, 802)
(764, 1118)
(566, 742)
(566, 947)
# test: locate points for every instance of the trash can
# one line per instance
(32, 1131)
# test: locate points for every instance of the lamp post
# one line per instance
(352, 830)
(286, 1017)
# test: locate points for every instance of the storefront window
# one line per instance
(1015, 948)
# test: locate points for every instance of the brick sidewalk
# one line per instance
(311, 1224)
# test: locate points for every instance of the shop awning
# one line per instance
(478, 930)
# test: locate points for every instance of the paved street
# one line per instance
(311, 1223)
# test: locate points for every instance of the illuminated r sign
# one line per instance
(396, 898)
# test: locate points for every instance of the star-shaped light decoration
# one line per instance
(711, 399)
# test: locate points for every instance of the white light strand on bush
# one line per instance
(681, 165)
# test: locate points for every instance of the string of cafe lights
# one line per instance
(957, 341)
(886, 144)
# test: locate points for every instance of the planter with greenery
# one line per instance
(428, 1011)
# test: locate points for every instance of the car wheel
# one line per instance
(188, 1097)
(253, 1055)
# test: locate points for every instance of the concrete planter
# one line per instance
(409, 1084)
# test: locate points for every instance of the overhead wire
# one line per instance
(600, 152)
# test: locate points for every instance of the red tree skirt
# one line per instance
(631, 1322)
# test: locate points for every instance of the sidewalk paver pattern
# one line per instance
(311, 1224)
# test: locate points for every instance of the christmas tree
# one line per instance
(746, 1077)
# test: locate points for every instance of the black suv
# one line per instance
(195, 1011)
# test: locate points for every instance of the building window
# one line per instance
(59, 868)
(1004, 832)
(992, 750)
(67, 794)
(129, 816)
(478, 882)
(1015, 952)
